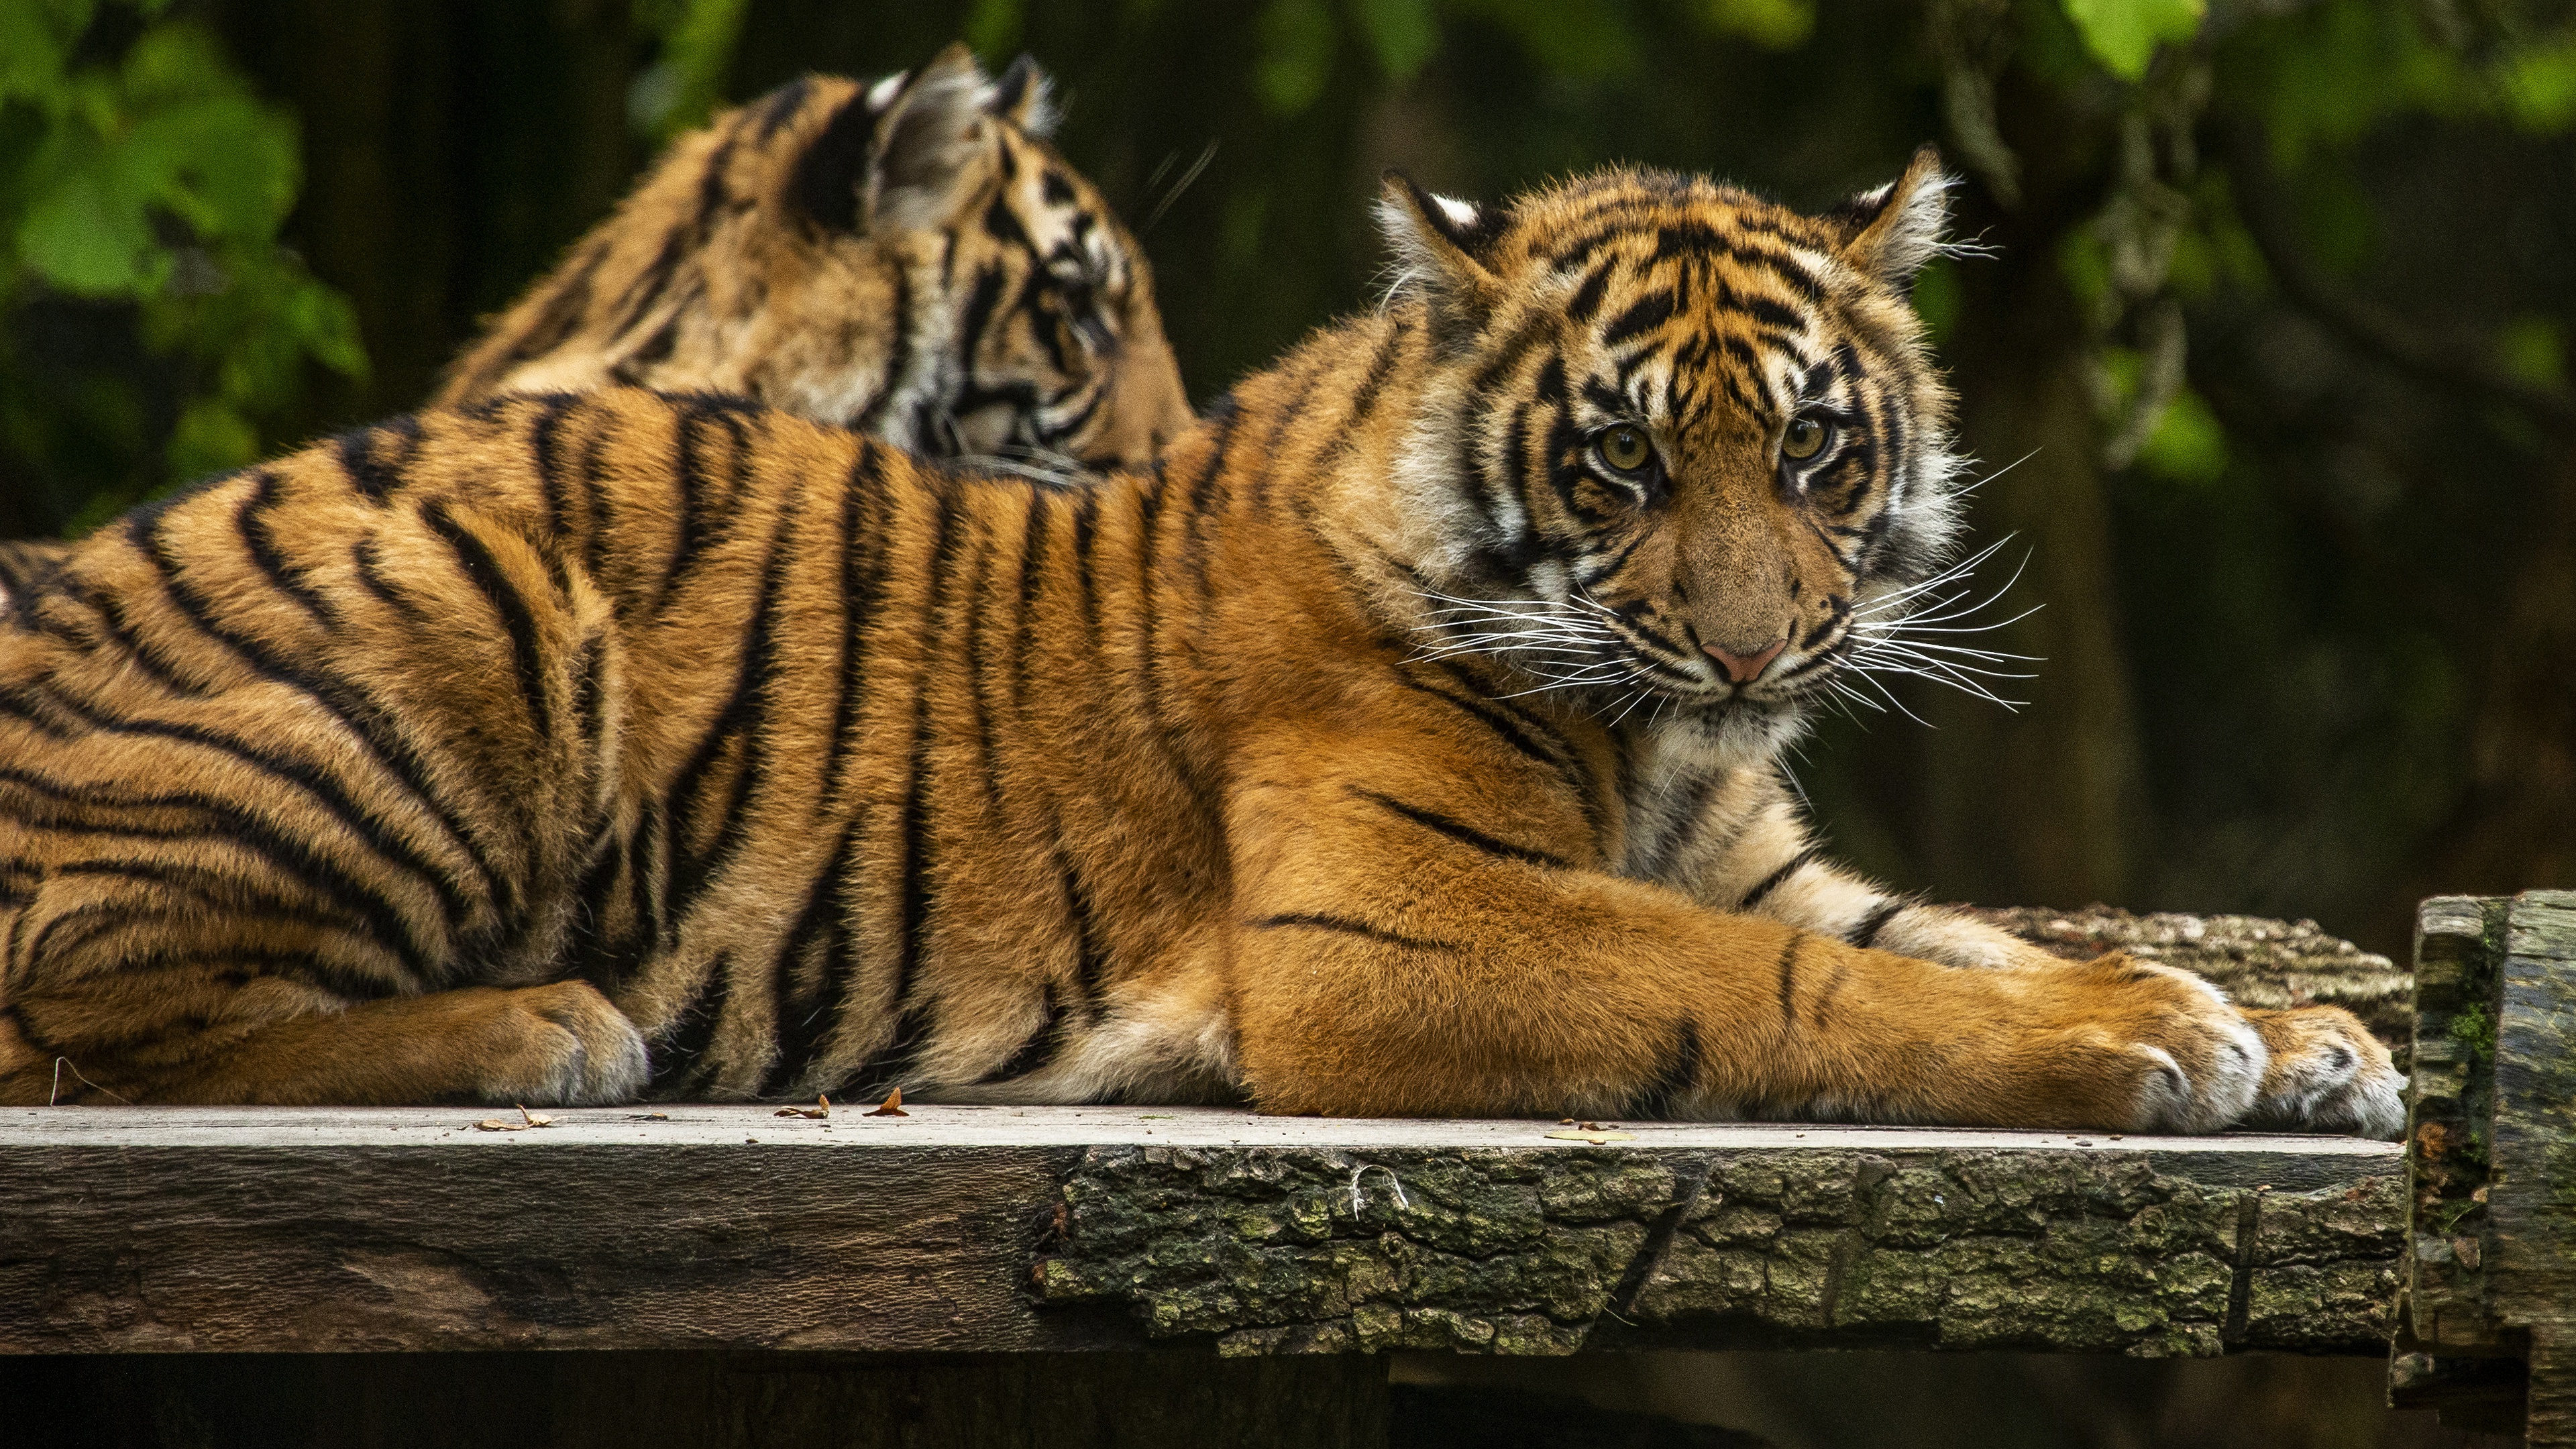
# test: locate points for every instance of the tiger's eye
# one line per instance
(1625, 448)
(1804, 439)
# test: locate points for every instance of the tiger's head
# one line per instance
(910, 258)
(1681, 447)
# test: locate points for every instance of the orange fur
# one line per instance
(831, 768)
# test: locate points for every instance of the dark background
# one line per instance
(2308, 630)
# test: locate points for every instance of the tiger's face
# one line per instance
(1055, 347)
(1688, 444)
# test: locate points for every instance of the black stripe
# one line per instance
(251, 523)
(1462, 832)
(1493, 719)
(549, 470)
(1864, 933)
(1773, 881)
(1675, 1081)
(801, 1020)
(744, 715)
(863, 571)
(357, 452)
(484, 572)
(1587, 298)
(691, 1032)
(1344, 925)
(1038, 1052)
(913, 858)
(1646, 313)
(1789, 978)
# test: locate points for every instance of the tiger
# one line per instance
(1404, 740)
(909, 257)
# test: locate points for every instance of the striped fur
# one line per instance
(567, 749)
(909, 258)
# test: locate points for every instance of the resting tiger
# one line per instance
(1400, 742)
(910, 258)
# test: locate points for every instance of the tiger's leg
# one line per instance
(2325, 1069)
(272, 1041)
(1411, 943)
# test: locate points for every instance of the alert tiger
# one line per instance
(908, 257)
(1401, 741)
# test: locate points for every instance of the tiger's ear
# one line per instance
(926, 135)
(1891, 231)
(1444, 251)
(1025, 97)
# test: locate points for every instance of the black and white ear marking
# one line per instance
(1444, 254)
(1890, 231)
(924, 140)
(1025, 97)
(1465, 225)
(1443, 247)
(881, 93)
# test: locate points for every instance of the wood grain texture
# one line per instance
(728, 1228)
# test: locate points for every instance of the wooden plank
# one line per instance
(2489, 1320)
(728, 1228)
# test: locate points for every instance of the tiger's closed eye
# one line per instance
(1624, 447)
(1804, 438)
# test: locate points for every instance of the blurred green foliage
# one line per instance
(146, 178)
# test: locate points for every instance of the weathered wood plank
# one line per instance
(2157, 1247)
(729, 1228)
(2491, 1157)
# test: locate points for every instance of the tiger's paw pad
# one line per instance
(564, 1045)
(2327, 1074)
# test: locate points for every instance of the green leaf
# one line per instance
(683, 88)
(1401, 33)
(211, 438)
(2124, 34)
(88, 235)
(2534, 349)
(2189, 445)
(1771, 24)
(1297, 39)
(993, 27)
(1586, 39)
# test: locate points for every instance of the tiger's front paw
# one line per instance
(2153, 1049)
(2327, 1074)
(561, 1045)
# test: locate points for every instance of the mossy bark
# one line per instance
(2091, 1249)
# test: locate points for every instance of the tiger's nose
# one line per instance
(1744, 668)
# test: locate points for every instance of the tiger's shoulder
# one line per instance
(910, 258)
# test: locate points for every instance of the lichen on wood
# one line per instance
(1551, 1251)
